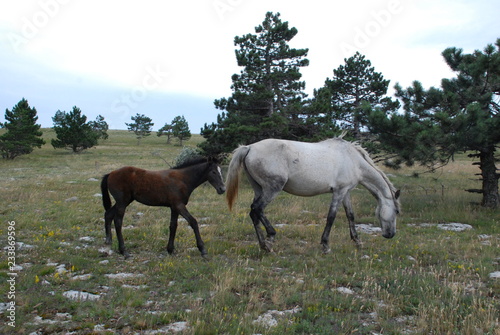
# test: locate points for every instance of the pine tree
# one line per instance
(266, 93)
(73, 131)
(180, 129)
(166, 130)
(462, 115)
(141, 126)
(23, 134)
(354, 90)
(100, 127)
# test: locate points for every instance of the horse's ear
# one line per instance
(217, 159)
(397, 194)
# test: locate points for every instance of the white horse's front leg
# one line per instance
(332, 213)
(350, 218)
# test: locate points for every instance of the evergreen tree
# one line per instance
(166, 130)
(267, 94)
(354, 90)
(462, 115)
(73, 131)
(141, 126)
(100, 127)
(23, 134)
(180, 129)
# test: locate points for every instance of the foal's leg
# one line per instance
(193, 224)
(109, 215)
(350, 217)
(120, 212)
(332, 213)
(174, 215)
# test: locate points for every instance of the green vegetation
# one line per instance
(142, 126)
(75, 133)
(23, 134)
(424, 281)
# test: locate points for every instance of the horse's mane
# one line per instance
(191, 161)
(195, 160)
(368, 159)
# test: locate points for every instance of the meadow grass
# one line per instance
(423, 281)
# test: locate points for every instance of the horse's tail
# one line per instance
(106, 200)
(233, 174)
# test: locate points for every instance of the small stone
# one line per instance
(495, 275)
(345, 290)
(81, 296)
(123, 275)
(454, 226)
(82, 277)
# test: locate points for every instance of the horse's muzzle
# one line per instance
(389, 234)
(221, 190)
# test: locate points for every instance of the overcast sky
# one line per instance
(169, 58)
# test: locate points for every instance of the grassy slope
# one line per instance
(423, 281)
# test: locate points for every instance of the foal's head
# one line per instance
(214, 176)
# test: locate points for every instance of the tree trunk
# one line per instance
(490, 178)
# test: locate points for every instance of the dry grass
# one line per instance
(424, 281)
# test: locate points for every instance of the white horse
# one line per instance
(307, 169)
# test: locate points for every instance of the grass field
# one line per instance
(426, 280)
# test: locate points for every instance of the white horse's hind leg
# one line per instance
(257, 214)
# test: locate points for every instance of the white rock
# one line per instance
(105, 250)
(21, 246)
(368, 228)
(345, 290)
(175, 327)
(81, 296)
(72, 199)
(135, 287)
(495, 274)
(269, 319)
(454, 226)
(61, 269)
(92, 179)
(3, 307)
(266, 320)
(123, 275)
(82, 277)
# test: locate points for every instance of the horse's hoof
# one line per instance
(326, 250)
(127, 255)
(205, 257)
(267, 246)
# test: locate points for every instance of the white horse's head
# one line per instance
(387, 211)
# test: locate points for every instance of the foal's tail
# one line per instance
(233, 174)
(106, 200)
